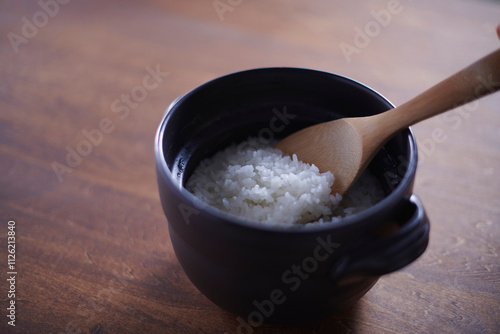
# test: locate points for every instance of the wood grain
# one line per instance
(93, 250)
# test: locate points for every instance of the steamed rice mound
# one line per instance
(262, 184)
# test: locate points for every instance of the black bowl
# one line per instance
(271, 274)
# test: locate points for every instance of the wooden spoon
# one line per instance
(346, 146)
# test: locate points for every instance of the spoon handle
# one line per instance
(477, 80)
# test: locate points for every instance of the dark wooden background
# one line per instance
(93, 250)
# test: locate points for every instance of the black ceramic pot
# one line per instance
(268, 274)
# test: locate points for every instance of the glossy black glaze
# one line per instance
(283, 275)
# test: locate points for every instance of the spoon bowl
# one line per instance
(346, 146)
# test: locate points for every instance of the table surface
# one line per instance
(93, 253)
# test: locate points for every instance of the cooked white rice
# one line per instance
(264, 185)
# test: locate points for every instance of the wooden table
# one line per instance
(83, 86)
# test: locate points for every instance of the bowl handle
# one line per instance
(376, 255)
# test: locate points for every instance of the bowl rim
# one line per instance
(399, 192)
